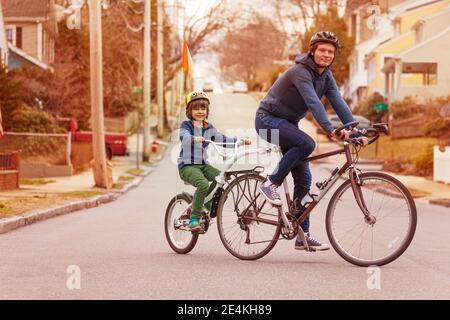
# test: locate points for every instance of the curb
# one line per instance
(12, 223)
(441, 202)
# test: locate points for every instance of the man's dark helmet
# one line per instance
(325, 36)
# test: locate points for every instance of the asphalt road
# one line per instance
(119, 250)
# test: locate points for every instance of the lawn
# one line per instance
(404, 150)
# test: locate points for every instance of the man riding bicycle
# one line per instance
(295, 92)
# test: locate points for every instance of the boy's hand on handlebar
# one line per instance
(247, 141)
(198, 139)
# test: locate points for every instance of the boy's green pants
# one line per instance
(199, 176)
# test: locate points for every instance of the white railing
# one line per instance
(441, 164)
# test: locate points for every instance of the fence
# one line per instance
(441, 164)
(407, 128)
(9, 170)
(42, 154)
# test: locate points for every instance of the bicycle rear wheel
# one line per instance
(181, 241)
(378, 242)
(244, 238)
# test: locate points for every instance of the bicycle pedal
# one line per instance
(310, 249)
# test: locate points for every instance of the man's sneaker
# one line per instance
(313, 243)
(195, 226)
(269, 191)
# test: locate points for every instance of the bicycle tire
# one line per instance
(403, 195)
(170, 230)
(220, 220)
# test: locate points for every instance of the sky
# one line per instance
(207, 66)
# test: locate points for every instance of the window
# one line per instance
(19, 37)
(419, 33)
(14, 35)
(397, 28)
(372, 69)
(10, 35)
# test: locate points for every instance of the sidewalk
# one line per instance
(63, 195)
(423, 190)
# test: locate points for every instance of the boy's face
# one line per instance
(199, 112)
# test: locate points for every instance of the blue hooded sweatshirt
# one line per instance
(299, 89)
(196, 153)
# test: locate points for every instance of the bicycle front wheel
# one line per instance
(181, 241)
(243, 237)
(378, 241)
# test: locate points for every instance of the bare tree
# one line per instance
(252, 50)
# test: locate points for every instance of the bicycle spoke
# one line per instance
(365, 241)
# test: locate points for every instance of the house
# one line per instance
(374, 44)
(404, 38)
(422, 70)
(31, 28)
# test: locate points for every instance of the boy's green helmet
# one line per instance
(196, 95)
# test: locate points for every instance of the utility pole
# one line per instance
(147, 78)
(160, 69)
(98, 131)
(3, 40)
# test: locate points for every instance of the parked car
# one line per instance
(363, 122)
(115, 143)
(208, 87)
(336, 123)
(240, 86)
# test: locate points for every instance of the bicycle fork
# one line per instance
(356, 184)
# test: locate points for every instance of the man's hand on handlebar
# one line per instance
(364, 141)
(247, 141)
(344, 134)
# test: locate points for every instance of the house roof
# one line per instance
(426, 42)
(25, 8)
(430, 17)
(29, 58)
(405, 54)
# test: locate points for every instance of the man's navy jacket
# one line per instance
(300, 88)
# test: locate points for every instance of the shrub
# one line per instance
(365, 107)
(27, 119)
(423, 163)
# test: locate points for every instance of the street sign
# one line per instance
(138, 90)
(380, 107)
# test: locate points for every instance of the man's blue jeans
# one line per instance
(295, 146)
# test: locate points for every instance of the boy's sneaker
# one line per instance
(269, 191)
(195, 226)
(313, 243)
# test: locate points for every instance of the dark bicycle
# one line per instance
(370, 220)
(371, 217)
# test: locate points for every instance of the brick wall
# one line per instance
(9, 170)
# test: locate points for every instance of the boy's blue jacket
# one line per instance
(299, 89)
(196, 153)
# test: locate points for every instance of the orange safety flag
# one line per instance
(186, 64)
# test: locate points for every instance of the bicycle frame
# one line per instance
(354, 179)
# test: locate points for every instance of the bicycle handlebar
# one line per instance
(376, 130)
(237, 144)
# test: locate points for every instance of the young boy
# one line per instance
(193, 164)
